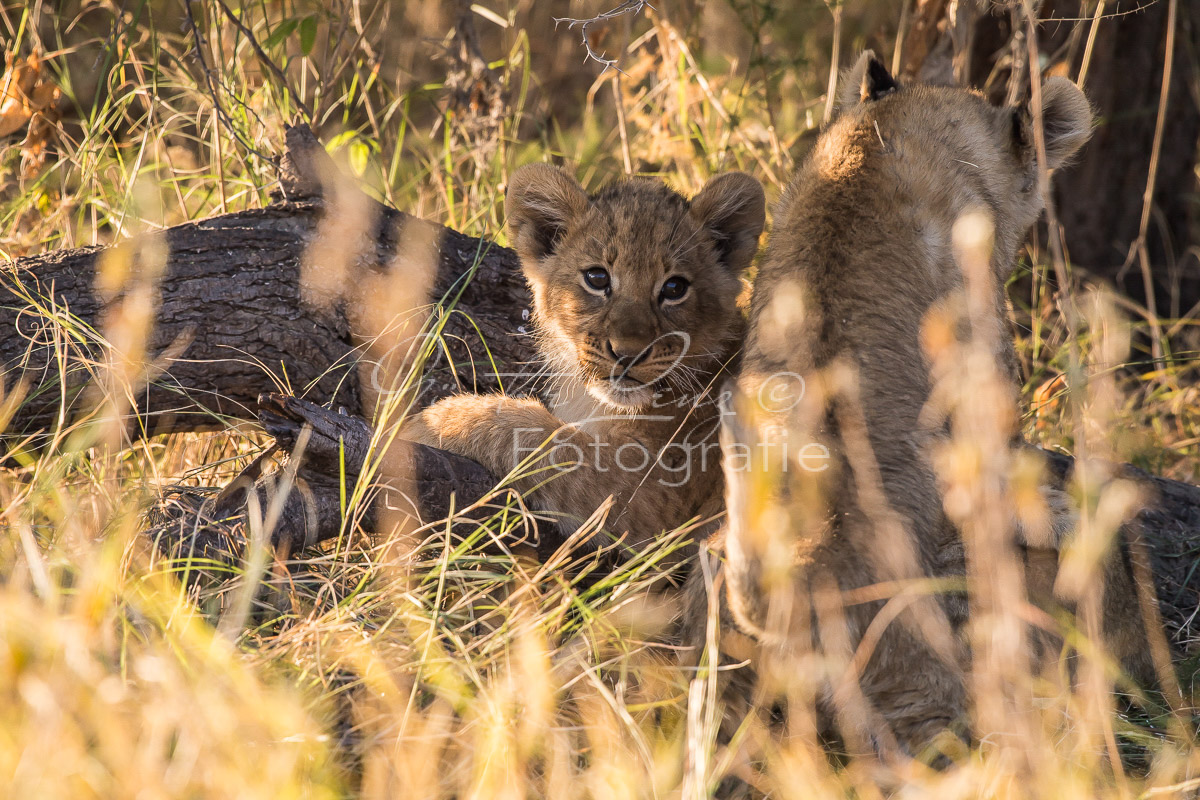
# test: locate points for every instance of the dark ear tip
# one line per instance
(879, 81)
(1020, 120)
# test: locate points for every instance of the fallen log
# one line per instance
(236, 315)
(326, 454)
(1169, 527)
(334, 450)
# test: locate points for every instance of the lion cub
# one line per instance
(635, 312)
(861, 252)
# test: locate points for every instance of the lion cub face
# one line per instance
(635, 288)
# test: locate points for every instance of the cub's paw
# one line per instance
(447, 424)
(478, 427)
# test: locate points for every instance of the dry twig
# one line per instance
(633, 7)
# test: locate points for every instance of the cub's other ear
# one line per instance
(733, 209)
(867, 80)
(541, 203)
(1066, 120)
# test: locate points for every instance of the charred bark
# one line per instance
(325, 454)
(233, 319)
(1169, 527)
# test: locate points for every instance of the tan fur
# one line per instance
(633, 414)
(860, 254)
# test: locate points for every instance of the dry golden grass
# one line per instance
(353, 672)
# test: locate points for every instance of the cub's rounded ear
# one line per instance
(541, 203)
(867, 80)
(733, 209)
(1066, 120)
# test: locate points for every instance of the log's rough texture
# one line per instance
(497, 300)
(337, 445)
(233, 324)
(230, 310)
(1169, 526)
(326, 451)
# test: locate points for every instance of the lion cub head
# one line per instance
(955, 148)
(635, 288)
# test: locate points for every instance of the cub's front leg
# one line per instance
(497, 431)
(522, 441)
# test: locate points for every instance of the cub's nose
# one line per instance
(627, 352)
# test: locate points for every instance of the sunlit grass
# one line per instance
(452, 670)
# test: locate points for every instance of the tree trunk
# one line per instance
(1098, 198)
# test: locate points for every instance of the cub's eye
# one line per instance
(674, 288)
(597, 278)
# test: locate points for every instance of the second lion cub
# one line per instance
(635, 311)
(862, 253)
